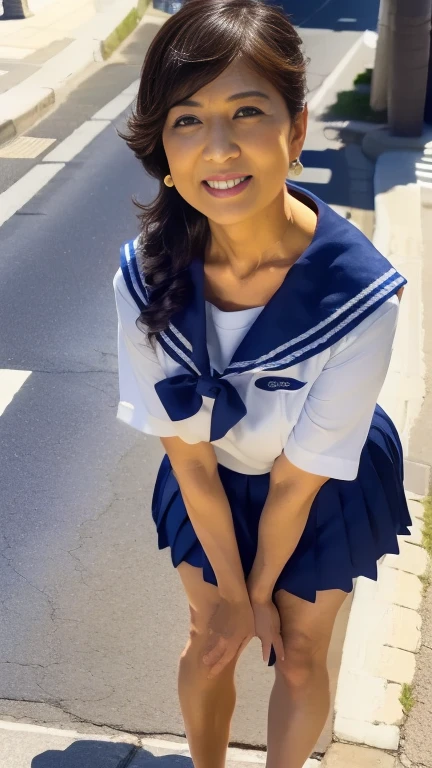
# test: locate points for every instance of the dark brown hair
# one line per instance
(192, 48)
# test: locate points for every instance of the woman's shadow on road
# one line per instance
(102, 754)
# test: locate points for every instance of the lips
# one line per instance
(222, 192)
(229, 177)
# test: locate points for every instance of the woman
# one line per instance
(255, 332)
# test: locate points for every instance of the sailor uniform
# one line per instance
(300, 375)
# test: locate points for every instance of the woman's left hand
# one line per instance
(268, 628)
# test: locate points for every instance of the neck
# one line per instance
(279, 234)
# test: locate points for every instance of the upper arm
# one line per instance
(332, 429)
(138, 369)
(187, 458)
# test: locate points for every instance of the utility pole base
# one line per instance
(15, 9)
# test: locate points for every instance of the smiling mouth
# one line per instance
(215, 181)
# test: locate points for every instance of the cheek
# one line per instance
(179, 143)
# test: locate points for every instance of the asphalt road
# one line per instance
(92, 616)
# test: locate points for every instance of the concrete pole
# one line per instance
(380, 76)
(410, 40)
(15, 9)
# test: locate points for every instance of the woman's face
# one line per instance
(249, 136)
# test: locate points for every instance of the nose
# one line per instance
(220, 146)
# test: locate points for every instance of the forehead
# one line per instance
(237, 77)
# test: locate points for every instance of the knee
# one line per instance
(198, 638)
(198, 643)
(304, 662)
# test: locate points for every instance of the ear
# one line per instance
(298, 133)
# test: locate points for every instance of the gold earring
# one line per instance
(168, 181)
(296, 167)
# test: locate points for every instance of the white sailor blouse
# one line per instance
(300, 375)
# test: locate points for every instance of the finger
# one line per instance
(279, 647)
(266, 649)
(226, 658)
(245, 642)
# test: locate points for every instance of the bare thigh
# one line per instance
(307, 628)
(203, 598)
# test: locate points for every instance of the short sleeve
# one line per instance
(139, 369)
(333, 426)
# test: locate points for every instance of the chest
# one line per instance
(231, 292)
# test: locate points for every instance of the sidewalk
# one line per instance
(40, 54)
(383, 702)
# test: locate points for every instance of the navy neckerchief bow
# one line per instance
(338, 281)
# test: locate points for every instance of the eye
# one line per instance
(179, 122)
(254, 109)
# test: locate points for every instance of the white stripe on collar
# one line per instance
(264, 359)
(139, 286)
(384, 292)
(179, 352)
(180, 336)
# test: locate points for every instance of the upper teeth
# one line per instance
(226, 184)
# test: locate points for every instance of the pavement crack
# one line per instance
(18, 573)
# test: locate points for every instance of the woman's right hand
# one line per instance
(230, 629)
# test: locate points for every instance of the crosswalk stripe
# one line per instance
(11, 382)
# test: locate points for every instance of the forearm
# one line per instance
(282, 523)
(209, 511)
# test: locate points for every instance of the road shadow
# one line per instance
(88, 753)
(335, 192)
(338, 15)
(351, 181)
(314, 14)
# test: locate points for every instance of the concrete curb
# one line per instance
(26, 103)
(383, 638)
(384, 629)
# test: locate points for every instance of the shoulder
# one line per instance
(121, 291)
(128, 281)
(374, 333)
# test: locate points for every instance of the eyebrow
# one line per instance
(235, 97)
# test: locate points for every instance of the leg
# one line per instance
(207, 705)
(300, 699)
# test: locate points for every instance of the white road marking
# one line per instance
(329, 82)
(118, 105)
(11, 382)
(32, 182)
(3, 72)
(68, 149)
(5, 725)
(315, 175)
(25, 188)
(234, 754)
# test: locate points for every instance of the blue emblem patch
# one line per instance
(272, 383)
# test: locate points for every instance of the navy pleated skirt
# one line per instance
(351, 524)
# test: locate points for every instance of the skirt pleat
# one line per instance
(351, 524)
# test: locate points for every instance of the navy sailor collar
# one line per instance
(337, 282)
